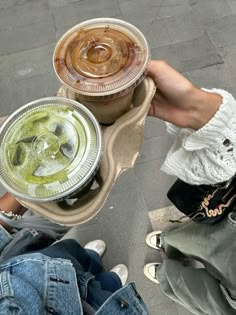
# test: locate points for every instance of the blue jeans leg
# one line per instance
(89, 260)
(101, 287)
(109, 281)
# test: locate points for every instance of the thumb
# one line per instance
(152, 68)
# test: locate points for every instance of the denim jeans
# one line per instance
(210, 289)
(24, 241)
(35, 283)
(95, 288)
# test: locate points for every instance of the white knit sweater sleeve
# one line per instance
(208, 155)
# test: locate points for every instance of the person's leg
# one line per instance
(212, 245)
(109, 281)
(88, 259)
(25, 241)
(101, 287)
(195, 289)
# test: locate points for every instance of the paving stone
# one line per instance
(183, 27)
(72, 14)
(17, 93)
(27, 34)
(219, 76)
(151, 292)
(160, 218)
(208, 11)
(229, 55)
(232, 90)
(173, 3)
(7, 98)
(189, 55)
(232, 4)
(26, 64)
(27, 14)
(182, 310)
(154, 148)
(84, 233)
(153, 128)
(60, 3)
(222, 31)
(174, 8)
(149, 3)
(140, 12)
(124, 214)
(154, 183)
(16, 3)
(211, 77)
(163, 309)
(39, 86)
(25, 37)
(135, 258)
(156, 33)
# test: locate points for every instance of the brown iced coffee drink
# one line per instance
(101, 61)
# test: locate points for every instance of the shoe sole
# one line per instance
(147, 274)
(148, 239)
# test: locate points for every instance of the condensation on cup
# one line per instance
(101, 61)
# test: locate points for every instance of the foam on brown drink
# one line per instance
(97, 64)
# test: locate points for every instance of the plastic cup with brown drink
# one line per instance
(101, 61)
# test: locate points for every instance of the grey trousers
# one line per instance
(210, 289)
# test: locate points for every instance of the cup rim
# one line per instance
(10, 120)
(117, 91)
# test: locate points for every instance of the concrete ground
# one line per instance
(197, 37)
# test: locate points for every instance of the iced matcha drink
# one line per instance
(41, 147)
(45, 150)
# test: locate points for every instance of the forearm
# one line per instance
(205, 105)
(207, 155)
(8, 204)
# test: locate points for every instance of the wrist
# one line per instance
(6, 217)
(6, 226)
(205, 105)
(9, 204)
(10, 215)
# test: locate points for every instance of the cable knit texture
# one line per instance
(208, 155)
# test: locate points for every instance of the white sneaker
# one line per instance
(97, 246)
(150, 271)
(122, 272)
(153, 240)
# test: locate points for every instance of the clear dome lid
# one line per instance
(49, 148)
(101, 57)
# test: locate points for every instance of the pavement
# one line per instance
(197, 37)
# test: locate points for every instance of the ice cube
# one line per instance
(27, 140)
(19, 155)
(40, 117)
(59, 130)
(41, 170)
(67, 149)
